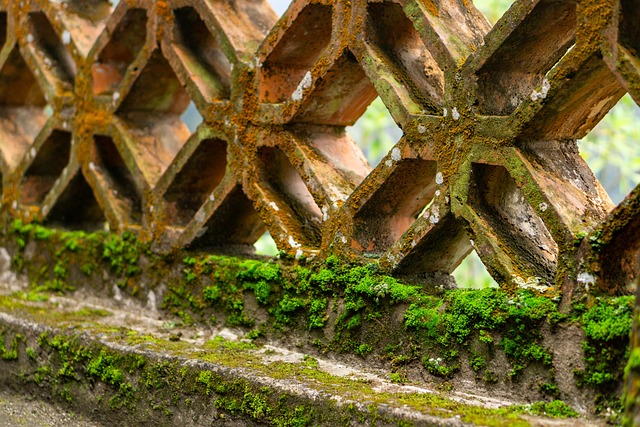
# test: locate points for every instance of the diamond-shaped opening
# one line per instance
(399, 45)
(496, 198)
(287, 69)
(49, 48)
(233, 228)
(77, 208)
(110, 166)
(200, 175)
(285, 181)
(472, 274)
(191, 117)
(629, 29)
(22, 106)
(519, 65)
(375, 132)
(612, 151)
(202, 54)
(46, 167)
(125, 44)
(341, 95)
(152, 111)
(392, 209)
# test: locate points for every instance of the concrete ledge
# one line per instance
(84, 357)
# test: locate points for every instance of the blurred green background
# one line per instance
(612, 149)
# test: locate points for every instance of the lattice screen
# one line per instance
(91, 131)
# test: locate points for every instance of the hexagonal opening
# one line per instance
(501, 205)
(110, 167)
(340, 96)
(612, 151)
(285, 181)
(391, 210)
(45, 168)
(152, 111)
(123, 48)
(519, 65)
(202, 54)
(233, 228)
(289, 64)
(197, 179)
(398, 44)
(22, 105)
(55, 58)
(76, 208)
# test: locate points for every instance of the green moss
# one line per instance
(606, 324)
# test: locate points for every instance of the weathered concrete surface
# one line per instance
(193, 376)
(17, 410)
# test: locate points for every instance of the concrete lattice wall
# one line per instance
(91, 131)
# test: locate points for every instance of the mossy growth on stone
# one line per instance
(495, 338)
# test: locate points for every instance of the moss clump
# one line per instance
(465, 316)
(606, 323)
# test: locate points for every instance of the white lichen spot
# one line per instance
(116, 96)
(66, 37)
(151, 208)
(14, 205)
(455, 114)
(200, 217)
(445, 112)
(304, 84)
(472, 242)
(439, 178)
(343, 239)
(446, 199)
(33, 152)
(437, 193)
(423, 128)
(30, 38)
(325, 212)
(544, 90)
(586, 279)
(413, 243)
(435, 215)
(212, 198)
(395, 154)
(543, 206)
(92, 166)
(293, 243)
(273, 206)
(299, 254)
(231, 68)
(388, 163)
(151, 301)
(529, 283)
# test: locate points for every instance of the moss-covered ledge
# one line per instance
(517, 347)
